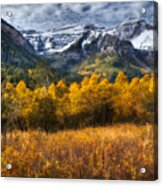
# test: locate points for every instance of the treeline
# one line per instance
(40, 75)
(94, 101)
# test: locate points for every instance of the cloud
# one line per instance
(48, 16)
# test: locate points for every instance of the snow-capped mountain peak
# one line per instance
(145, 41)
(138, 32)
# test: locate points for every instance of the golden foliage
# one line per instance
(116, 152)
(112, 152)
(94, 100)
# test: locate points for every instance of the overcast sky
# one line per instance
(48, 16)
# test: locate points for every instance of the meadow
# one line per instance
(110, 152)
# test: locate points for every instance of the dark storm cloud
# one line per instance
(85, 8)
(47, 16)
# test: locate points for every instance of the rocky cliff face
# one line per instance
(90, 44)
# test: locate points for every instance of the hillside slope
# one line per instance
(16, 50)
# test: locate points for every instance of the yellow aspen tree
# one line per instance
(134, 88)
(122, 97)
(9, 86)
(7, 106)
(52, 91)
(121, 78)
(61, 88)
(21, 88)
(85, 82)
(75, 98)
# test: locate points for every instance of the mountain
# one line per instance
(15, 49)
(55, 40)
(138, 32)
(75, 49)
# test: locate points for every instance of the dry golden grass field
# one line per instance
(113, 152)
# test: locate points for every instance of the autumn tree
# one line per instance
(94, 101)
(44, 116)
(104, 109)
(7, 106)
(121, 98)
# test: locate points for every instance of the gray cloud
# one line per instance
(47, 16)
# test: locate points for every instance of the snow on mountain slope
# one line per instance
(138, 32)
(92, 36)
(145, 41)
(59, 40)
(133, 28)
(60, 50)
(53, 40)
(141, 34)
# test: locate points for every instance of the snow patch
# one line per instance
(145, 41)
(60, 50)
(92, 36)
